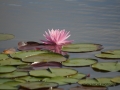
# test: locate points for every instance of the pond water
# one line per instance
(89, 21)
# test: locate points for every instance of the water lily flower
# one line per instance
(56, 37)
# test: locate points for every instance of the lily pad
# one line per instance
(96, 82)
(6, 36)
(108, 56)
(6, 69)
(45, 65)
(7, 87)
(13, 74)
(61, 80)
(3, 56)
(78, 76)
(82, 47)
(13, 83)
(3, 80)
(45, 57)
(38, 85)
(116, 79)
(107, 66)
(28, 79)
(10, 61)
(88, 88)
(79, 62)
(23, 54)
(53, 72)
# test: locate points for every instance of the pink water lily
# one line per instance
(56, 37)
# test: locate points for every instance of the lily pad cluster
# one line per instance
(43, 69)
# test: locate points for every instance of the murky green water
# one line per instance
(91, 21)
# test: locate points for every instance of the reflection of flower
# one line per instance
(56, 37)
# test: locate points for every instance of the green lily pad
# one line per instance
(6, 36)
(13, 74)
(79, 62)
(7, 87)
(78, 76)
(6, 69)
(96, 82)
(38, 85)
(116, 79)
(29, 78)
(13, 83)
(61, 80)
(81, 47)
(116, 51)
(107, 66)
(53, 72)
(3, 56)
(10, 61)
(23, 54)
(3, 80)
(45, 57)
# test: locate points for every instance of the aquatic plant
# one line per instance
(56, 37)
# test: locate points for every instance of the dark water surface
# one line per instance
(89, 21)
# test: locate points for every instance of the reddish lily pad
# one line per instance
(45, 65)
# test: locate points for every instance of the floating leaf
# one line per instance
(10, 61)
(6, 36)
(116, 79)
(6, 69)
(79, 62)
(81, 47)
(23, 54)
(45, 57)
(61, 80)
(78, 76)
(45, 65)
(55, 72)
(108, 56)
(12, 83)
(13, 74)
(7, 87)
(38, 85)
(107, 66)
(3, 80)
(3, 56)
(88, 88)
(29, 78)
(96, 82)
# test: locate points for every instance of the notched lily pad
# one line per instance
(13, 74)
(107, 66)
(6, 69)
(116, 79)
(10, 61)
(96, 82)
(82, 47)
(110, 54)
(38, 85)
(3, 56)
(79, 62)
(53, 72)
(4, 36)
(88, 88)
(45, 65)
(45, 57)
(23, 54)
(61, 80)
